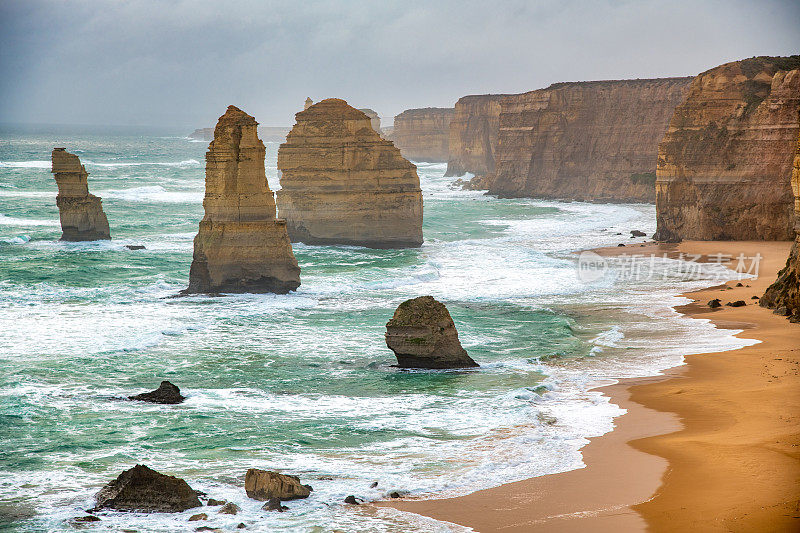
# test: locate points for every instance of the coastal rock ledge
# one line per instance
(142, 489)
(241, 245)
(422, 335)
(264, 485)
(341, 183)
(81, 213)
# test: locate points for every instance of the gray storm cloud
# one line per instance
(179, 64)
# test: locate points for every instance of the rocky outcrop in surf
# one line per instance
(166, 393)
(264, 485)
(423, 134)
(589, 141)
(725, 162)
(341, 183)
(82, 216)
(784, 294)
(472, 142)
(422, 335)
(241, 246)
(144, 490)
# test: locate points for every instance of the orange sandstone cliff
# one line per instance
(241, 246)
(784, 294)
(588, 141)
(423, 134)
(473, 135)
(341, 183)
(724, 165)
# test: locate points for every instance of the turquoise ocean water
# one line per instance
(303, 383)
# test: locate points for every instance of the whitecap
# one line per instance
(27, 222)
(25, 164)
(153, 194)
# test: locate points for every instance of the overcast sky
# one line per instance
(180, 63)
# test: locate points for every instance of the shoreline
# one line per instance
(643, 475)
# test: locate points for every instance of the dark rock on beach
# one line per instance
(713, 304)
(166, 393)
(422, 335)
(145, 490)
(737, 303)
(265, 485)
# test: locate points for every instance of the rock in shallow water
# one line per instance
(265, 485)
(166, 393)
(145, 490)
(274, 504)
(229, 508)
(422, 335)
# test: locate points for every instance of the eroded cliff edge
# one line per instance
(82, 216)
(341, 183)
(423, 134)
(784, 294)
(588, 141)
(241, 246)
(724, 165)
(473, 135)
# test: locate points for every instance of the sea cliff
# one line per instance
(725, 162)
(473, 135)
(423, 134)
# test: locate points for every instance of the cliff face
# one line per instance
(588, 141)
(423, 134)
(473, 135)
(81, 213)
(725, 162)
(240, 247)
(341, 183)
(785, 292)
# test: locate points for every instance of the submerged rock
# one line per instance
(81, 213)
(351, 500)
(166, 393)
(229, 508)
(341, 183)
(241, 245)
(134, 247)
(198, 516)
(265, 485)
(422, 335)
(274, 504)
(145, 490)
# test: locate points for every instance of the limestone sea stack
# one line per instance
(341, 183)
(422, 335)
(423, 134)
(725, 162)
(81, 213)
(374, 119)
(241, 246)
(589, 141)
(784, 294)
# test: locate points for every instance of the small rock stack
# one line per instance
(81, 213)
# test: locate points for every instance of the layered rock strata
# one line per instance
(241, 246)
(725, 162)
(82, 216)
(142, 489)
(588, 141)
(472, 141)
(784, 294)
(423, 134)
(422, 335)
(374, 119)
(341, 183)
(265, 485)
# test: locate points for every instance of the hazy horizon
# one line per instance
(178, 66)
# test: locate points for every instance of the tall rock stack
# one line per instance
(423, 134)
(785, 292)
(725, 162)
(81, 213)
(341, 183)
(241, 246)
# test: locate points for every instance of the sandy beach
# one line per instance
(712, 445)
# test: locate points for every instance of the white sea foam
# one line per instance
(153, 194)
(180, 164)
(26, 222)
(25, 164)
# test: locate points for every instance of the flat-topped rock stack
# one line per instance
(374, 119)
(81, 213)
(725, 162)
(341, 183)
(241, 245)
